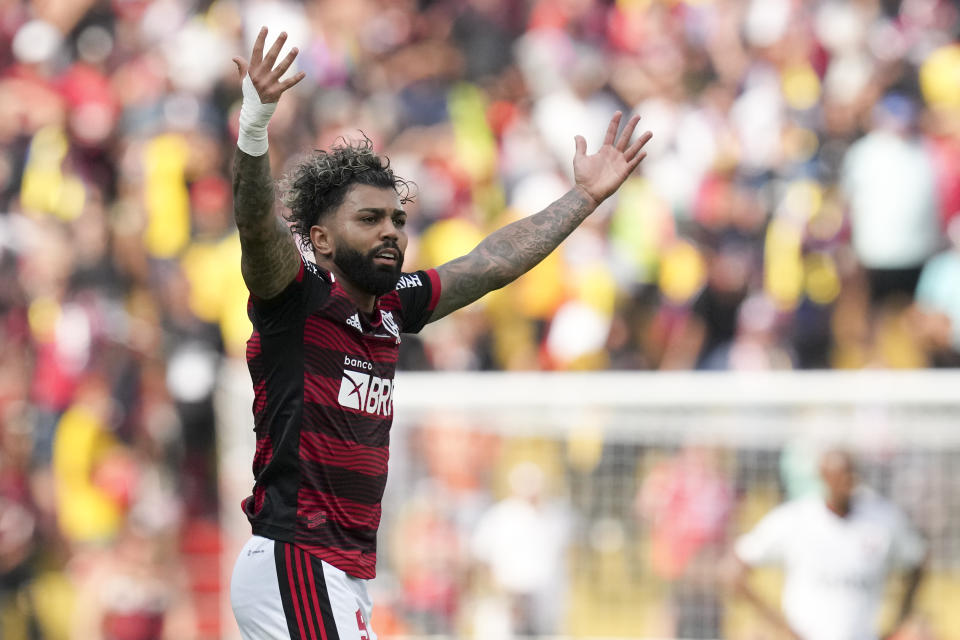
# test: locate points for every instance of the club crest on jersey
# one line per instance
(390, 324)
(354, 321)
(367, 393)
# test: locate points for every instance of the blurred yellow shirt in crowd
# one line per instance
(167, 200)
(217, 292)
(87, 512)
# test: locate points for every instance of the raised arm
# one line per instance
(269, 259)
(511, 251)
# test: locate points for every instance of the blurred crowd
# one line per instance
(798, 209)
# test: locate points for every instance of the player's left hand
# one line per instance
(601, 174)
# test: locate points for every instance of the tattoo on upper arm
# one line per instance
(270, 259)
(508, 253)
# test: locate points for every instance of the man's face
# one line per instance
(839, 474)
(369, 238)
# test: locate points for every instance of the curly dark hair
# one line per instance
(319, 183)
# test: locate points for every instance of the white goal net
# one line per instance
(601, 505)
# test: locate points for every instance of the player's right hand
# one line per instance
(264, 75)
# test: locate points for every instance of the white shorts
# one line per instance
(280, 592)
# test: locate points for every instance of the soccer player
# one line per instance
(324, 350)
(837, 552)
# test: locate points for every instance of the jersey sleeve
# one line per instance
(287, 308)
(419, 293)
(765, 544)
(908, 548)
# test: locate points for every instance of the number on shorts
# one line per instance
(361, 625)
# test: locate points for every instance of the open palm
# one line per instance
(264, 75)
(601, 174)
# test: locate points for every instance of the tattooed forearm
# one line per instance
(508, 253)
(269, 259)
(252, 189)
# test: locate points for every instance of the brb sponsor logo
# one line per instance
(364, 391)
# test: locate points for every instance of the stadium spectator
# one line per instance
(428, 564)
(132, 591)
(938, 302)
(19, 547)
(519, 545)
(837, 552)
(888, 176)
(688, 501)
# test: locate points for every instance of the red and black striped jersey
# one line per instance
(323, 403)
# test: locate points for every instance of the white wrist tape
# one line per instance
(254, 116)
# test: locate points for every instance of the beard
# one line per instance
(364, 273)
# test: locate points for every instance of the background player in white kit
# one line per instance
(837, 552)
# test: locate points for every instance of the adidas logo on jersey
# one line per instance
(354, 321)
(367, 393)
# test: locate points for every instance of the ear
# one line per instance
(321, 240)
